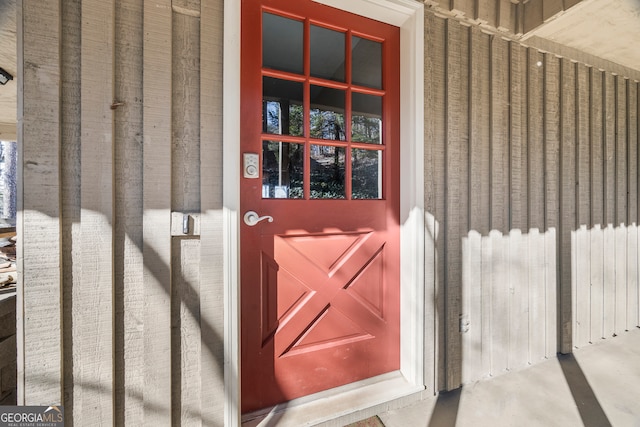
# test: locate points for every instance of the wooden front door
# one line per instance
(319, 200)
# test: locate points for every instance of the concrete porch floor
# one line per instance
(596, 386)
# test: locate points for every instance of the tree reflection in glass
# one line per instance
(282, 170)
(282, 107)
(327, 172)
(327, 113)
(366, 118)
(366, 174)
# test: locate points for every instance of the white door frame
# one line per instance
(417, 317)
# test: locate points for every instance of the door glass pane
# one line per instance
(366, 181)
(282, 107)
(327, 113)
(366, 118)
(282, 170)
(327, 53)
(282, 43)
(366, 62)
(327, 172)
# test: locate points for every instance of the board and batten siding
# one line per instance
(525, 149)
(531, 182)
(119, 320)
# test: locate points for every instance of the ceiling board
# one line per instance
(609, 29)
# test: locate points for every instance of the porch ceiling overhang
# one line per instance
(608, 29)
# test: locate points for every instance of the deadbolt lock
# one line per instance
(250, 165)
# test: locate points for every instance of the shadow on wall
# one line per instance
(509, 294)
(605, 278)
(126, 390)
(509, 301)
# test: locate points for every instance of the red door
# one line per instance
(320, 200)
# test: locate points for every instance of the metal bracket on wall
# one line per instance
(185, 224)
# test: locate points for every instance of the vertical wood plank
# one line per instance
(70, 250)
(38, 218)
(632, 278)
(435, 142)
(567, 196)
(620, 292)
(476, 302)
(532, 15)
(486, 275)
(582, 286)
(457, 187)
(479, 198)
(185, 293)
(536, 312)
(609, 283)
(535, 132)
(574, 285)
(632, 151)
(128, 261)
(517, 139)
(157, 60)
(471, 323)
(551, 293)
(635, 295)
(93, 301)
(211, 252)
(185, 197)
(621, 155)
(499, 302)
(185, 163)
(469, 350)
(633, 308)
(499, 134)
(506, 16)
(552, 140)
(583, 160)
(479, 135)
(486, 12)
(582, 292)
(518, 355)
(609, 129)
(597, 149)
(597, 286)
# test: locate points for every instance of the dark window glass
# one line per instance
(366, 118)
(282, 170)
(282, 43)
(366, 62)
(327, 53)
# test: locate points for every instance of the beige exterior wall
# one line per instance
(120, 123)
(519, 139)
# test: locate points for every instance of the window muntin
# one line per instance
(323, 95)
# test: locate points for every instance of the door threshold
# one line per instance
(331, 405)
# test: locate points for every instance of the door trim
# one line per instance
(417, 321)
